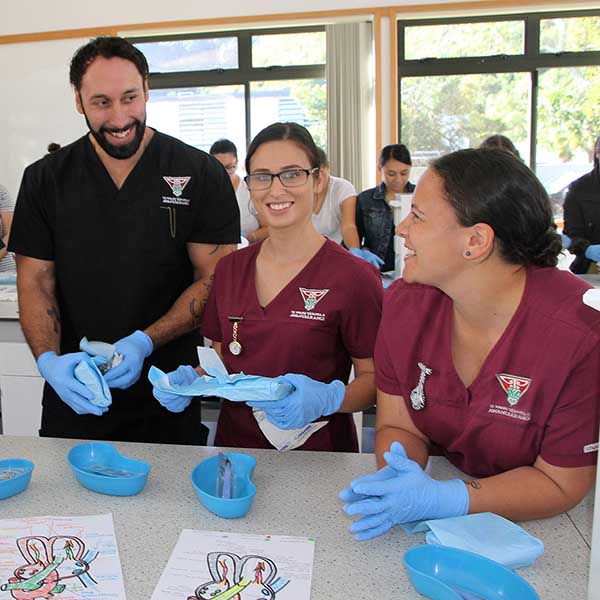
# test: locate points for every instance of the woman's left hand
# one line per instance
(308, 401)
(401, 494)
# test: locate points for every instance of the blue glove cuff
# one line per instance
(144, 340)
(454, 499)
(43, 359)
(338, 391)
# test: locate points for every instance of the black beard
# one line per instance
(124, 151)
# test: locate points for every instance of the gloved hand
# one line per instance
(134, 348)
(566, 241)
(349, 495)
(592, 252)
(367, 255)
(58, 371)
(310, 400)
(183, 375)
(410, 495)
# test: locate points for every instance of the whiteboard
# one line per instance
(36, 105)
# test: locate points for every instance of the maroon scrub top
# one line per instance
(326, 315)
(537, 393)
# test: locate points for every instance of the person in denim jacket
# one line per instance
(374, 217)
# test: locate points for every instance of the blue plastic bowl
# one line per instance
(444, 573)
(204, 480)
(15, 475)
(100, 468)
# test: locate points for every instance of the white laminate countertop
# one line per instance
(297, 495)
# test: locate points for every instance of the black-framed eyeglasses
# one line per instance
(289, 178)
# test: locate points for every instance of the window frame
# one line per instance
(244, 75)
(531, 61)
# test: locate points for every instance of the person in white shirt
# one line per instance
(335, 207)
(334, 214)
(225, 152)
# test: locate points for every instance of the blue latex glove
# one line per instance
(368, 256)
(410, 495)
(134, 348)
(308, 401)
(349, 495)
(183, 375)
(592, 252)
(566, 241)
(59, 372)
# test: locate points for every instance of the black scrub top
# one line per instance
(120, 256)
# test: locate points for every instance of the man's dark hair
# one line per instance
(223, 146)
(107, 47)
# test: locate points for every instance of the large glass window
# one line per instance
(199, 116)
(289, 49)
(464, 39)
(574, 34)
(300, 100)
(533, 78)
(191, 55)
(233, 84)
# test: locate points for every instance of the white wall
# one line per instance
(36, 104)
(27, 16)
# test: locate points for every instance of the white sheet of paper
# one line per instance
(592, 298)
(208, 564)
(61, 546)
(285, 439)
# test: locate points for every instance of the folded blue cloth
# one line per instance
(87, 372)
(238, 388)
(487, 534)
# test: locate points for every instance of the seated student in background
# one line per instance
(582, 218)
(299, 305)
(252, 229)
(374, 217)
(334, 213)
(485, 351)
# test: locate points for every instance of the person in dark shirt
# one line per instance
(582, 218)
(116, 237)
(374, 216)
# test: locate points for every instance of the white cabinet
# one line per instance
(21, 389)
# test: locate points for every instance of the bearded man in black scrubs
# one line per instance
(116, 238)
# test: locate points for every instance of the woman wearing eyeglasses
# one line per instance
(296, 305)
(225, 152)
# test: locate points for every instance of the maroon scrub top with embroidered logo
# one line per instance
(327, 314)
(537, 393)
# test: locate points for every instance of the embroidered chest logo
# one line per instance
(311, 297)
(177, 184)
(417, 396)
(514, 386)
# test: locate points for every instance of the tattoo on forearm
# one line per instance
(196, 310)
(197, 304)
(216, 249)
(54, 315)
(474, 484)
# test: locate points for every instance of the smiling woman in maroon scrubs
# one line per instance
(296, 305)
(486, 352)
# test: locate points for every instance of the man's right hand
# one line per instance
(58, 371)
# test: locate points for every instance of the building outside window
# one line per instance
(233, 84)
